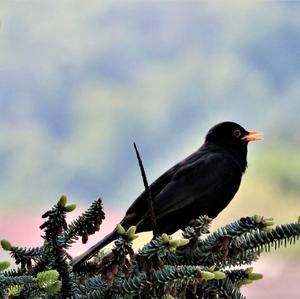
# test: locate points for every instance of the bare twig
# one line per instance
(150, 200)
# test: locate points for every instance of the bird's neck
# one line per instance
(238, 154)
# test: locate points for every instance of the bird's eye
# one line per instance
(237, 133)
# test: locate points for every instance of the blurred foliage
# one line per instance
(80, 82)
(281, 165)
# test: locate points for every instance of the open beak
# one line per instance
(251, 136)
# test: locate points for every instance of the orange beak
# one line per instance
(251, 136)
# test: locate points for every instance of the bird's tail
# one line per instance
(92, 250)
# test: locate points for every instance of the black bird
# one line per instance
(202, 184)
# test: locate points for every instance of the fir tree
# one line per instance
(196, 266)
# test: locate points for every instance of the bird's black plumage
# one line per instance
(202, 184)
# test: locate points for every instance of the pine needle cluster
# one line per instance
(199, 265)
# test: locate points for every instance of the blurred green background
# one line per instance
(80, 81)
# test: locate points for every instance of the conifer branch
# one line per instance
(86, 224)
(164, 268)
(148, 191)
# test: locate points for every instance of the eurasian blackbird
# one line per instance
(201, 184)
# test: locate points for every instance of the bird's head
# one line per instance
(231, 134)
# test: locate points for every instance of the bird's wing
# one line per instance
(140, 206)
(205, 177)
